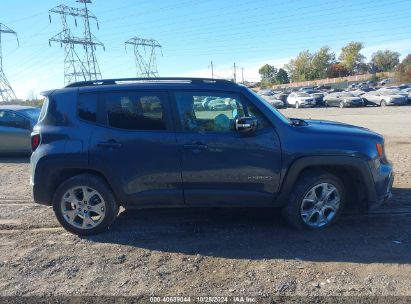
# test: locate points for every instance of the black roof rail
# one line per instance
(148, 80)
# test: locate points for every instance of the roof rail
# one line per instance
(147, 80)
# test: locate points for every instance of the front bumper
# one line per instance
(383, 179)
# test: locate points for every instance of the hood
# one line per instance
(338, 128)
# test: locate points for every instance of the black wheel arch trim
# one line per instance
(361, 166)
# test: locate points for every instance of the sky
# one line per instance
(195, 32)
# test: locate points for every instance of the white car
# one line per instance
(300, 99)
(385, 97)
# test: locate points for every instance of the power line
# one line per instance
(145, 56)
(78, 65)
(6, 91)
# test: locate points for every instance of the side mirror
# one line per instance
(246, 125)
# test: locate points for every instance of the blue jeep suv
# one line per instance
(179, 142)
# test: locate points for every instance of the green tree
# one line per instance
(350, 56)
(282, 77)
(320, 63)
(268, 73)
(403, 72)
(385, 61)
(299, 68)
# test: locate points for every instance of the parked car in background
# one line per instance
(318, 97)
(385, 97)
(343, 99)
(265, 92)
(16, 124)
(300, 99)
(385, 81)
(276, 103)
(408, 91)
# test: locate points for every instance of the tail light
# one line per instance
(35, 142)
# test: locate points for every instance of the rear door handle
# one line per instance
(109, 144)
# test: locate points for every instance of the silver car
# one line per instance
(16, 124)
(385, 97)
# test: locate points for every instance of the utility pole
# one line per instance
(146, 65)
(242, 75)
(235, 73)
(6, 91)
(78, 64)
(212, 70)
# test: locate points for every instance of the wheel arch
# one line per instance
(353, 172)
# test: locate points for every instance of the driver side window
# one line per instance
(208, 112)
(213, 111)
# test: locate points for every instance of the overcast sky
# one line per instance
(195, 32)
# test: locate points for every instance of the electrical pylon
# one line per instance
(78, 64)
(145, 56)
(6, 91)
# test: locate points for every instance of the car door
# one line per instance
(14, 132)
(219, 165)
(135, 147)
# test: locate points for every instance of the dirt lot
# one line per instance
(210, 251)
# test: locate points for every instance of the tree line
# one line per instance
(324, 64)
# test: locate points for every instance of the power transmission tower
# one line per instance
(145, 56)
(6, 91)
(78, 65)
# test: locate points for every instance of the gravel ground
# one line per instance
(214, 252)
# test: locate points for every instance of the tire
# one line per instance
(296, 205)
(383, 103)
(297, 105)
(102, 208)
(342, 104)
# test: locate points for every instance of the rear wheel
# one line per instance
(316, 201)
(84, 205)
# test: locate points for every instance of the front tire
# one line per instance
(297, 105)
(383, 103)
(316, 201)
(84, 205)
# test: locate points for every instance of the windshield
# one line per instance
(270, 107)
(32, 114)
(303, 95)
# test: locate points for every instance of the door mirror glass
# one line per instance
(246, 125)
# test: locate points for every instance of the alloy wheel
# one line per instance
(83, 207)
(320, 205)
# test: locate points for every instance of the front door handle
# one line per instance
(109, 144)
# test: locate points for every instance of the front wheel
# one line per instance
(342, 105)
(383, 103)
(316, 201)
(85, 205)
(297, 105)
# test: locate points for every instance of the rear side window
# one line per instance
(136, 111)
(87, 107)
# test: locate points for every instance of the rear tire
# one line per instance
(297, 210)
(84, 205)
